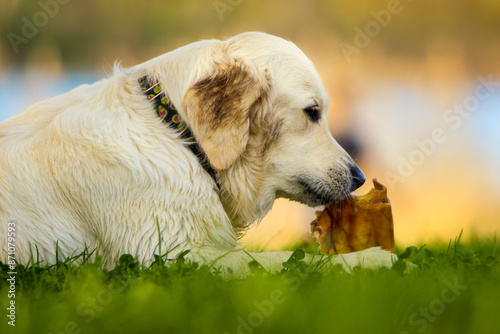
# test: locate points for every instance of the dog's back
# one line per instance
(95, 168)
(31, 144)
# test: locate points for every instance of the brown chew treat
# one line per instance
(355, 223)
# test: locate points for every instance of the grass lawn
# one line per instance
(454, 289)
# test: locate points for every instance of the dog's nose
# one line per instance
(357, 177)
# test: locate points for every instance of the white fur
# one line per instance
(96, 167)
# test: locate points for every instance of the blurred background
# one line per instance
(414, 88)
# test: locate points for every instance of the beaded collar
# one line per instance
(168, 113)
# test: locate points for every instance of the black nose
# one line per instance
(357, 177)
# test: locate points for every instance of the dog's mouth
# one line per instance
(314, 192)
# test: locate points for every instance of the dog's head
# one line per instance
(258, 110)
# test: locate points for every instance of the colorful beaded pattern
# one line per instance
(164, 107)
(167, 111)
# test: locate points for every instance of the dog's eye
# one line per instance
(313, 113)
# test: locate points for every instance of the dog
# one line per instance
(182, 152)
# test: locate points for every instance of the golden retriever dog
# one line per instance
(182, 152)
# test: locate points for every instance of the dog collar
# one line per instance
(168, 113)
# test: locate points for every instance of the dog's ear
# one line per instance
(220, 107)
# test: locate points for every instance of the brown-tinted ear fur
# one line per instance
(219, 109)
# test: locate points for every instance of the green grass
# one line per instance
(454, 289)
